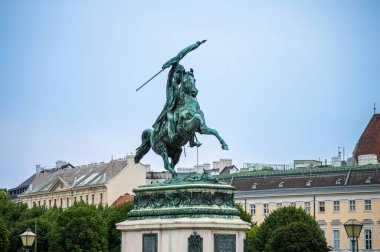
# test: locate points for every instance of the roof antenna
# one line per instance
(374, 108)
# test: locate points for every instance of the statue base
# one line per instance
(196, 214)
(183, 235)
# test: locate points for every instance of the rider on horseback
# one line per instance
(172, 86)
(167, 114)
(180, 118)
(174, 81)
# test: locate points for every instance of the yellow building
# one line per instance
(99, 183)
(332, 195)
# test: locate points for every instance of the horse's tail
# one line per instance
(145, 145)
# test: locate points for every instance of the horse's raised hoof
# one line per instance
(224, 146)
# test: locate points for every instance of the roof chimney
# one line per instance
(39, 169)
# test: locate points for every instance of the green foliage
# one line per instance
(9, 211)
(244, 215)
(4, 240)
(79, 228)
(281, 218)
(250, 236)
(116, 214)
(297, 237)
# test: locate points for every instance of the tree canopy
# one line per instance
(288, 219)
(81, 227)
(3, 236)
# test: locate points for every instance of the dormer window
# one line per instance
(338, 181)
(308, 183)
(281, 184)
(368, 180)
(254, 186)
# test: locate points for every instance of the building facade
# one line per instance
(98, 183)
(153, 177)
(331, 195)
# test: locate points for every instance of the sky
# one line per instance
(279, 80)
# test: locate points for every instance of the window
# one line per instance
(321, 206)
(336, 206)
(307, 207)
(338, 181)
(253, 209)
(44, 202)
(49, 203)
(92, 199)
(279, 205)
(352, 205)
(61, 202)
(336, 238)
(101, 198)
(39, 204)
(55, 202)
(368, 238)
(75, 199)
(87, 199)
(81, 199)
(67, 202)
(367, 205)
(266, 208)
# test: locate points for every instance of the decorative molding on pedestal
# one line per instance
(184, 198)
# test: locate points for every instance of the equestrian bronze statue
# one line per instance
(180, 118)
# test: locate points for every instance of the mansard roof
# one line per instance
(302, 178)
(70, 177)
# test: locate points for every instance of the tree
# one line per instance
(117, 214)
(297, 237)
(79, 228)
(3, 236)
(9, 211)
(281, 218)
(244, 215)
(250, 236)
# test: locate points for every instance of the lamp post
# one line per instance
(27, 238)
(353, 229)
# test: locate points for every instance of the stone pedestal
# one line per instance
(196, 214)
(173, 234)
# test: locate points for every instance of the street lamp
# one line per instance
(27, 238)
(353, 229)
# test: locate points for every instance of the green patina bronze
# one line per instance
(195, 196)
(195, 243)
(180, 118)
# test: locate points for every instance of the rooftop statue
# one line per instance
(180, 118)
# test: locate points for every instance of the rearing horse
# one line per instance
(189, 119)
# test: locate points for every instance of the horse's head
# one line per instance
(188, 84)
